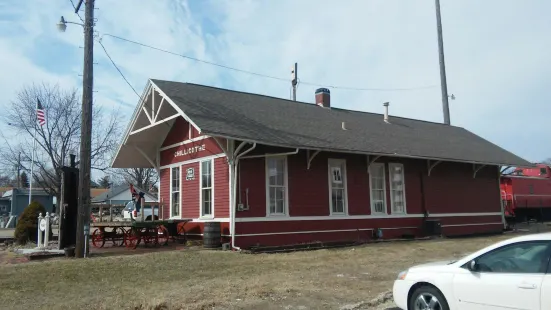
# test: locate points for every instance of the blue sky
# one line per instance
(497, 55)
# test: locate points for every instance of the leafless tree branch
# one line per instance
(58, 138)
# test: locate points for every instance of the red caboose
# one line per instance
(526, 193)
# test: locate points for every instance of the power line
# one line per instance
(75, 8)
(116, 67)
(268, 76)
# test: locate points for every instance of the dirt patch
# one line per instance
(187, 279)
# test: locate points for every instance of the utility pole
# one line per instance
(443, 83)
(294, 79)
(83, 222)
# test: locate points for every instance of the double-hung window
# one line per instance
(378, 188)
(337, 186)
(207, 201)
(175, 192)
(276, 186)
(397, 188)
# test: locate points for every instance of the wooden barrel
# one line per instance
(212, 235)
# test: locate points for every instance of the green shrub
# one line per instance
(27, 224)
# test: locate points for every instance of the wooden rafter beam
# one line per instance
(476, 169)
(147, 158)
(310, 158)
(431, 166)
(370, 161)
(154, 124)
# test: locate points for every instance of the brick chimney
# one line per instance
(323, 97)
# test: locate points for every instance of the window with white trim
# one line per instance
(337, 186)
(175, 192)
(276, 185)
(206, 188)
(378, 188)
(397, 188)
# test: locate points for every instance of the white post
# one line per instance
(39, 241)
(47, 230)
(32, 167)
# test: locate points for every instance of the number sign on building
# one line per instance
(190, 174)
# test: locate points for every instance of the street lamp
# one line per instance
(62, 25)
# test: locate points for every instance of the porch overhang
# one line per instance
(148, 128)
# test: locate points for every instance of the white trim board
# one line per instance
(164, 148)
(471, 224)
(191, 161)
(348, 230)
(359, 217)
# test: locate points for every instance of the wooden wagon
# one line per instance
(152, 230)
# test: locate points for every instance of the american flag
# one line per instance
(40, 115)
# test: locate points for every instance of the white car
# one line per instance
(511, 274)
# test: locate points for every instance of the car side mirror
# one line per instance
(473, 266)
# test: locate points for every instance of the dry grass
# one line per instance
(323, 279)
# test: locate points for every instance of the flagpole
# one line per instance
(32, 160)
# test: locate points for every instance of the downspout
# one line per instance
(233, 168)
(235, 164)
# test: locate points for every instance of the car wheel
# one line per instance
(427, 298)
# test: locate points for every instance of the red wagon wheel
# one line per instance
(131, 238)
(148, 235)
(118, 237)
(162, 235)
(97, 239)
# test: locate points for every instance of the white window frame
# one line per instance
(202, 215)
(372, 202)
(179, 193)
(285, 186)
(390, 173)
(330, 183)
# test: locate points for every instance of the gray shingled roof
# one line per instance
(280, 122)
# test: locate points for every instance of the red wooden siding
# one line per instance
(450, 188)
(180, 132)
(221, 188)
(353, 229)
(190, 192)
(164, 191)
(190, 151)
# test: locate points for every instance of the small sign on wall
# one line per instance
(190, 174)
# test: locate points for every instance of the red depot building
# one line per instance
(279, 172)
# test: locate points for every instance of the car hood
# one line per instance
(432, 265)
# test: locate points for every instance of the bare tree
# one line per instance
(104, 181)
(144, 178)
(6, 181)
(58, 138)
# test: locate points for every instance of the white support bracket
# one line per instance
(430, 167)
(370, 161)
(475, 169)
(148, 116)
(158, 110)
(154, 124)
(310, 158)
(147, 158)
(221, 145)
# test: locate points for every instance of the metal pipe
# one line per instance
(234, 165)
(271, 155)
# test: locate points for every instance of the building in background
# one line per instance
(120, 195)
